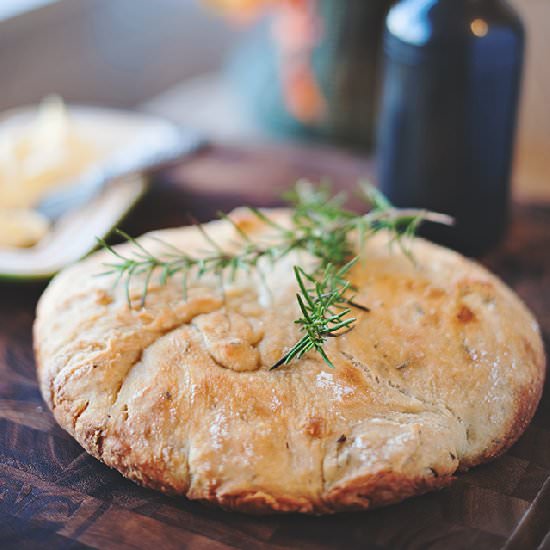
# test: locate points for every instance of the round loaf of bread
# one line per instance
(442, 373)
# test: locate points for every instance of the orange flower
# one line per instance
(246, 10)
(296, 29)
(241, 10)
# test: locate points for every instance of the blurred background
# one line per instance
(244, 97)
(173, 58)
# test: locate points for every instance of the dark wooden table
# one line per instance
(53, 495)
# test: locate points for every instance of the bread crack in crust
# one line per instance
(443, 372)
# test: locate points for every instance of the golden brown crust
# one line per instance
(526, 404)
(444, 372)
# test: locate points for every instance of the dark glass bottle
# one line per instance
(448, 116)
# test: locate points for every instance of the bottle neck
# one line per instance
(423, 22)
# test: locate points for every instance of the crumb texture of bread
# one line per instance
(443, 372)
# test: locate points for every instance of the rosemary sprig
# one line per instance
(323, 304)
(320, 225)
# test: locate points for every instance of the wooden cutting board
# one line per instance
(53, 495)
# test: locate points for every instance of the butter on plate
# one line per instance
(54, 147)
(42, 154)
(21, 227)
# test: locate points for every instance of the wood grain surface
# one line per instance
(53, 495)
